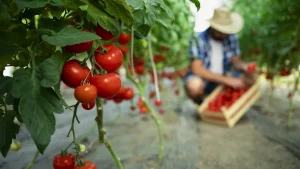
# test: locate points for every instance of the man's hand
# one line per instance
(235, 83)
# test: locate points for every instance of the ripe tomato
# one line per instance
(176, 92)
(251, 67)
(107, 85)
(104, 34)
(132, 108)
(166, 48)
(118, 98)
(256, 51)
(87, 165)
(123, 49)
(152, 94)
(129, 94)
(143, 110)
(88, 106)
(63, 162)
(86, 93)
(161, 111)
(79, 48)
(124, 38)
(139, 69)
(157, 103)
(110, 61)
(73, 74)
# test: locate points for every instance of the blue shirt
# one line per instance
(202, 49)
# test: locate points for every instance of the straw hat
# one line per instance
(226, 21)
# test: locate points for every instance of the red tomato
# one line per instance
(110, 61)
(79, 48)
(89, 106)
(156, 59)
(73, 74)
(119, 97)
(86, 93)
(87, 165)
(165, 48)
(107, 85)
(104, 34)
(132, 108)
(139, 69)
(63, 162)
(123, 49)
(251, 67)
(129, 94)
(143, 110)
(176, 92)
(269, 76)
(256, 51)
(140, 102)
(157, 103)
(152, 94)
(161, 111)
(124, 38)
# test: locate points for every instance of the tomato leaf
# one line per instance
(97, 16)
(6, 84)
(8, 131)
(136, 4)
(51, 69)
(58, 93)
(123, 12)
(36, 106)
(196, 3)
(37, 3)
(69, 36)
(73, 4)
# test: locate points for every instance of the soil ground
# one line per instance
(259, 140)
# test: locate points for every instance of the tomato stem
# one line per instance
(30, 164)
(151, 111)
(159, 128)
(131, 50)
(154, 69)
(113, 154)
(99, 119)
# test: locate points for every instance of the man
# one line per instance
(213, 52)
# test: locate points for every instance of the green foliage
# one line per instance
(69, 36)
(8, 130)
(273, 28)
(33, 33)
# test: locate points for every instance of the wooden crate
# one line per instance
(229, 117)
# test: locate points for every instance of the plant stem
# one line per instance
(159, 129)
(29, 165)
(99, 120)
(154, 69)
(151, 111)
(113, 154)
(131, 50)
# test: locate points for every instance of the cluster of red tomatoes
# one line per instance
(87, 87)
(68, 162)
(225, 98)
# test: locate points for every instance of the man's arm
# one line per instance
(200, 70)
(237, 63)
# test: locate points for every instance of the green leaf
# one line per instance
(36, 106)
(50, 24)
(69, 36)
(6, 84)
(51, 69)
(58, 93)
(37, 3)
(136, 4)
(73, 4)
(8, 131)
(97, 16)
(123, 12)
(196, 3)
(163, 6)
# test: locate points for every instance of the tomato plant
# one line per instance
(111, 59)
(66, 161)
(107, 85)
(86, 93)
(87, 165)
(73, 74)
